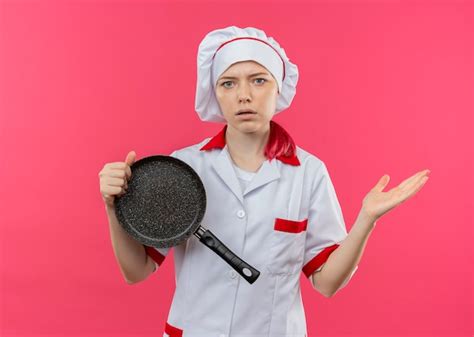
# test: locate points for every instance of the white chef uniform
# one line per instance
(288, 220)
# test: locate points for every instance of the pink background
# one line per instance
(385, 87)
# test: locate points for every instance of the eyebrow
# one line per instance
(251, 75)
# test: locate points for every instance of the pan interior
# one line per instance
(165, 202)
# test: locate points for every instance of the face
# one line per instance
(247, 85)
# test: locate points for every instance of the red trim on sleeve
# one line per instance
(318, 260)
(173, 331)
(154, 254)
(290, 226)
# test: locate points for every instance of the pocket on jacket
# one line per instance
(287, 246)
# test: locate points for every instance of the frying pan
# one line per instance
(164, 205)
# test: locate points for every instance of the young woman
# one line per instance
(269, 201)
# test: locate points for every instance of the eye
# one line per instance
(223, 84)
(263, 79)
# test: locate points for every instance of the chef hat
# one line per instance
(221, 48)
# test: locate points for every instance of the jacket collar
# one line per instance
(218, 142)
(268, 172)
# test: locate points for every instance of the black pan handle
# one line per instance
(243, 268)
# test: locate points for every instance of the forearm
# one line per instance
(342, 261)
(130, 254)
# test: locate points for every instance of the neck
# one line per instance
(247, 147)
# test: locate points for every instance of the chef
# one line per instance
(269, 201)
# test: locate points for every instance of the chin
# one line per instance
(248, 127)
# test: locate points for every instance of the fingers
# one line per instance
(117, 182)
(113, 181)
(128, 172)
(114, 178)
(382, 183)
(116, 173)
(413, 179)
(410, 191)
(120, 170)
(109, 190)
(412, 185)
(115, 165)
(130, 158)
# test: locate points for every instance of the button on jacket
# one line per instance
(287, 221)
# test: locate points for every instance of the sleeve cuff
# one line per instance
(312, 265)
(155, 255)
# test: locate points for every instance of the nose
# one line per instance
(244, 94)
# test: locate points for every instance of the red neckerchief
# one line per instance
(218, 142)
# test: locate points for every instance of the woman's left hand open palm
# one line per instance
(376, 203)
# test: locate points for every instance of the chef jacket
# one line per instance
(283, 220)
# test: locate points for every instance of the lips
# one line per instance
(246, 111)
